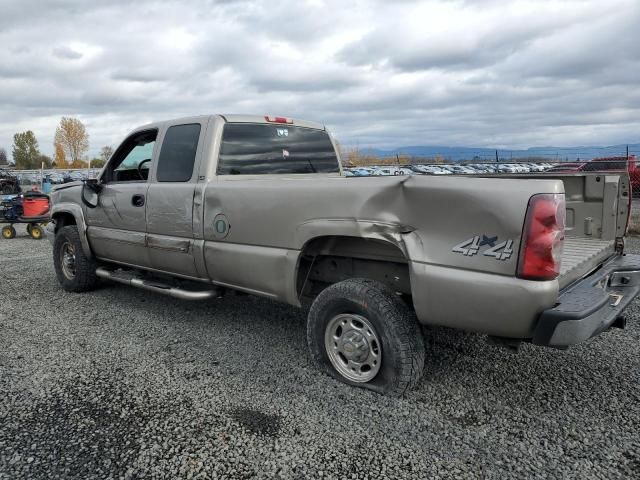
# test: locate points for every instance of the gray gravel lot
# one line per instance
(121, 383)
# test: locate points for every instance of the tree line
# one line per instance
(71, 144)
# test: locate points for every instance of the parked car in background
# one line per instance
(362, 172)
(56, 178)
(9, 183)
(429, 169)
(536, 167)
(384, 171)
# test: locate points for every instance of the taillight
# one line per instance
(278, 119)
(542, 237)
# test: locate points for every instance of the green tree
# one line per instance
(4, 160)
(97, 163)
(25, 150)
(45, 160)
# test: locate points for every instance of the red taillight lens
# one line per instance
(542, 237)
(278, 119)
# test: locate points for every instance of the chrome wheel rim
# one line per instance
(353, 347)
(68, 260)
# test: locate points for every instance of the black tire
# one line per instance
(403, 351)
(84, 277)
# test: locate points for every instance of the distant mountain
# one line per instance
(489, 154)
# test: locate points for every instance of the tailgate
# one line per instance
(597, 212)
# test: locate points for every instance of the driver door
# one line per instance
(116, 227)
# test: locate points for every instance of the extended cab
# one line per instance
(200, 206)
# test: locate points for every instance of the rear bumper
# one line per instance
(591, 305)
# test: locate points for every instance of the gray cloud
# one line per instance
(64, 52)
(378, 73)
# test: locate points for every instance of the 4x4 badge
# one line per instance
(471, 246)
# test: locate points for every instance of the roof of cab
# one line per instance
(239, 118)
(234, 118)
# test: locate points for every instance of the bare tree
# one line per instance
(73, 138)
(105, 153)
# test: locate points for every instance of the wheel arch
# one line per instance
(65, 214)
(329, 259)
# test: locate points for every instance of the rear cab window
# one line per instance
(178, 153)
(254, 148)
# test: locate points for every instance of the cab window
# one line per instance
(178, 153)
(250, 149)
(132, 160)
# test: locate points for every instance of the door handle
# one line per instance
(137, 200)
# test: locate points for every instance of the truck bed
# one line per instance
(580, 255)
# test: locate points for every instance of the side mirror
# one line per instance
(90, 192)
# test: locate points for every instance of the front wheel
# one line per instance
(76, 271)
(363, 334)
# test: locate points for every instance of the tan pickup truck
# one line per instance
(199, 206)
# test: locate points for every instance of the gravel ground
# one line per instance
(121, 383)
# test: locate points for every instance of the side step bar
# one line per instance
(158, 287)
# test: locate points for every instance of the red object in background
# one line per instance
(618, 163)
(604, 165)
(35, 207)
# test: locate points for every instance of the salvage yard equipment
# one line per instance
(9, 184)
(31, 208)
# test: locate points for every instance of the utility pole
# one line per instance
(497, 156)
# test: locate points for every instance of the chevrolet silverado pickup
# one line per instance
(200, 206)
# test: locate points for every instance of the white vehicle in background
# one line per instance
(506, 168)
(536, 167)
(384, 171)
(480, 168)
(434, 170)
(520, 168)
(460, 169)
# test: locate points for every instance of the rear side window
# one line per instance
(250, 149)
(178, 153)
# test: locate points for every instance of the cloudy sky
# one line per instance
(378, 73)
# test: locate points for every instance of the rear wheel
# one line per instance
(8, 232)
(363, 334)
(75, 270)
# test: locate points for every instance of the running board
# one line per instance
(127, 278)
